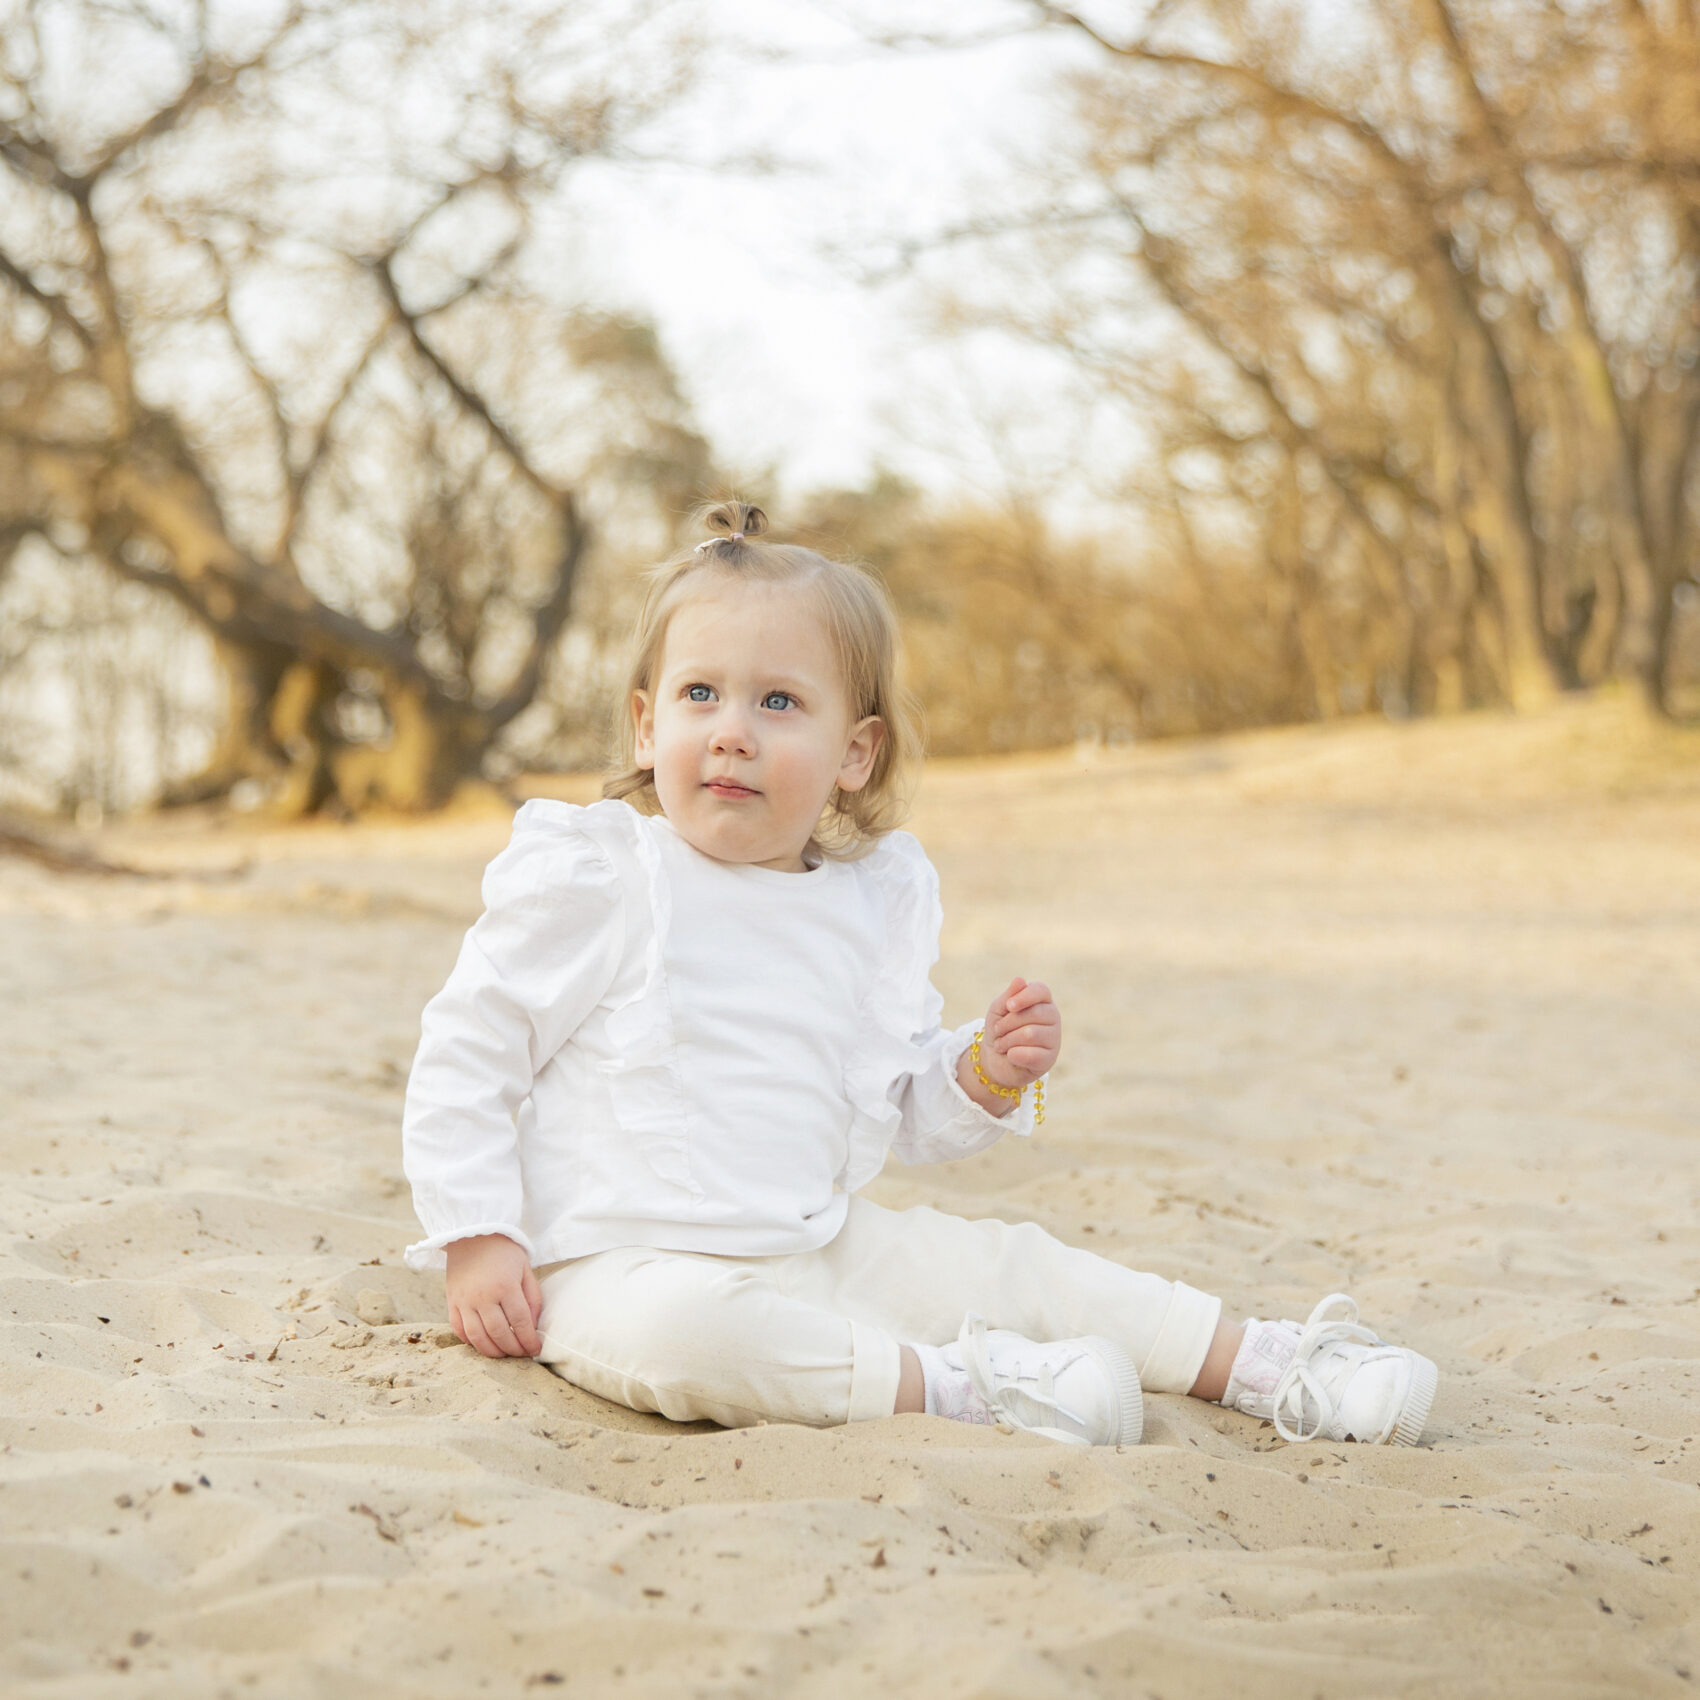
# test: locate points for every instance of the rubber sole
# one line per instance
(1130, 1397)
(1425, 1378)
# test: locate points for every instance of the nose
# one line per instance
(733, 732)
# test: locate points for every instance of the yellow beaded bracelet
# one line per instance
(1007, 1091)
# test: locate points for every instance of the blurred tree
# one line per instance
(1018, 635)
(281, 339)
(1013, 639)
(1438, 271)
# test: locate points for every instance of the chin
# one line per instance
(742, 847)
(719, 839)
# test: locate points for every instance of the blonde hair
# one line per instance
(862, 627)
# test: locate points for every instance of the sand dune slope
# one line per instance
(1411, 1012)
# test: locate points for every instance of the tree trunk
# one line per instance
(1655, 667)
(281, 732)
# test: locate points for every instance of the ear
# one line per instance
(643, 729)
(866, 736)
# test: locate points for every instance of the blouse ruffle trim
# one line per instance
(899, 1006)
(650, 1103)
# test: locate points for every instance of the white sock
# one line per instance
(1264, 1354)
(932, 1367)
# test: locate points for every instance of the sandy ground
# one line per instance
(1409, 1011)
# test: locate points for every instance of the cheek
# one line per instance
(807, 765)
(670, 745)
(670, 729)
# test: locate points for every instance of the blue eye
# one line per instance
(777, 700)
(700, 693)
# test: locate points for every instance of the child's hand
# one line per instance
(1023, 1036)
(494, 1299)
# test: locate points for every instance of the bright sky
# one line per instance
(789, 360)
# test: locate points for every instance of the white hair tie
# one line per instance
(709, 542)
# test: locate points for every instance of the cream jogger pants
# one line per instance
(813, 1337)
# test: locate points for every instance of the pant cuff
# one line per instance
(1183, 1341)
(876, 1363)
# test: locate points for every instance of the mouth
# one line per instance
(729, 789)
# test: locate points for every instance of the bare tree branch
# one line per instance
(301, 476)
(168, 495)
(464, 393)
(204, 85)
(56, 306)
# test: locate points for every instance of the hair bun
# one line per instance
(735, 521)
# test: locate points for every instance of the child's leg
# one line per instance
(711, 1337)
(1211, 1383)
(915, 1273)
(1218, 1364)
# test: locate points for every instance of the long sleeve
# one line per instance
(533, 966)
(938, 1120)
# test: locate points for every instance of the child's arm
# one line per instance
(535, 963)
(947, 1111)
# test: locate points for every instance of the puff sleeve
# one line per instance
(534, 965)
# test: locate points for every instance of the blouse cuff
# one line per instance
(429, 1254)
(1017, 1120)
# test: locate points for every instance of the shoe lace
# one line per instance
(1003, 1400)
(1299, 1378)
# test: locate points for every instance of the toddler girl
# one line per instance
(696, 1016)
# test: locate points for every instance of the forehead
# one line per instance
(757, 623)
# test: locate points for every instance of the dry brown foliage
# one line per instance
(1406, 299)
(1018, 637)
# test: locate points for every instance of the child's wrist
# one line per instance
(982, 1084)
(990, 1102)
(472, 1245)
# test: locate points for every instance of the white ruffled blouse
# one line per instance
(640, 1045)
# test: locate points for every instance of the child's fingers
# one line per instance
(533, 1294)
(1041, 1022)
(516, 1310)
(1030, 992)
(477, 1336)
(1039, 1041)
(500, 1332)
(1045, 1014)
(1032, 1059)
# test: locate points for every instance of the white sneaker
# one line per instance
(1332, 1379)
(1083, 1392)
